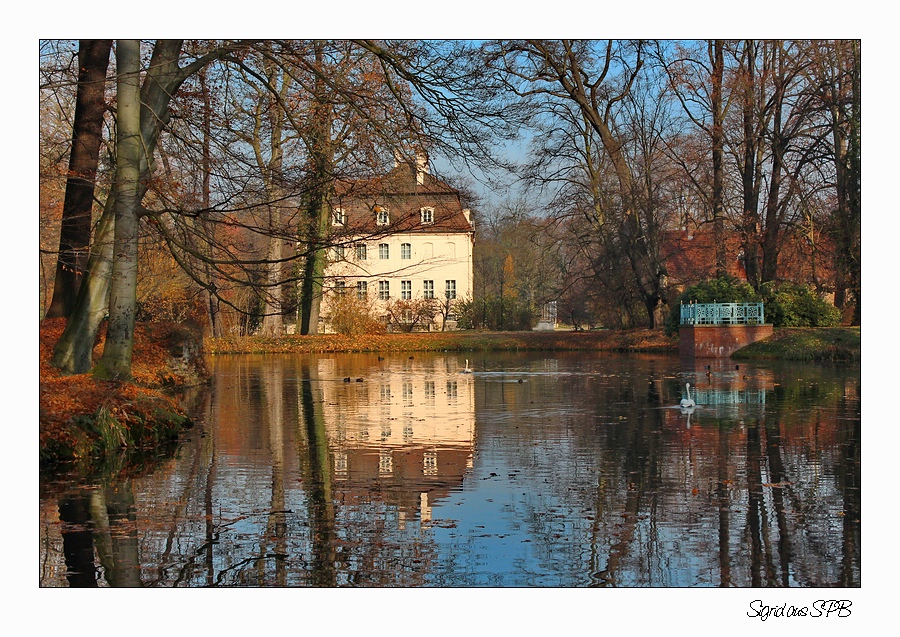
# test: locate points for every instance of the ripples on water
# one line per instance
(535, 470)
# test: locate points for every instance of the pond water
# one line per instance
(535, 469)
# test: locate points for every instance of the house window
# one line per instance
(362, 290)
(382, 216)
(406, 251)
(427, 215)
(340, 287)
(339, 253)
(361, 252)
(384, 290)
(428, 291)
(384, 251)
(406, 290)
(451, 289)
(338, 217)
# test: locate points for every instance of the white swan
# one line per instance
(467, 370)
(687, 402)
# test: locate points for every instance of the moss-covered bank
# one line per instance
(84, 419)
(808, 344)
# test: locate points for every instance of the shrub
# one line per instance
(352, 316)
(493, 312)
(793, 305)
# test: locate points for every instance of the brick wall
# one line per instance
(719, 341)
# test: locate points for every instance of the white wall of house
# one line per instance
(418, 264)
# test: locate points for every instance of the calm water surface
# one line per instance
(561, 470)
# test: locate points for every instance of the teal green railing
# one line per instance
(722, 314)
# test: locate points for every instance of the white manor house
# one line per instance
(404, 235)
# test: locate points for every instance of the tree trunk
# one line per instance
(72, 353)
(273, 325)
(854, 186)
(319, 209)
(718, 156)
(87, 135)
(116, 359)
(771, 235)
(212, 300)
(750, 216)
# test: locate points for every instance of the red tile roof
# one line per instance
(400, 193)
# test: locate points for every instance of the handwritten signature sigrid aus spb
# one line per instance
(819, 608)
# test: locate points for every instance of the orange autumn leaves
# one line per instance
(63, 398)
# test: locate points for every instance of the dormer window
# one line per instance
(382, 216)
(338, 217)
(427, 215)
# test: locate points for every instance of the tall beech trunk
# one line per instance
(750, 168)
(87, 136)
(716, 53)
(318, 217)
(771, 235)
(208, 229)
(279, 84)
(116, 359)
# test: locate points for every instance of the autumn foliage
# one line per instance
(80, 415)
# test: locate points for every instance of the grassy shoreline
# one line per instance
(639, 340)
(807, 344)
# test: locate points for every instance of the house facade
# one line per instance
(404, 236)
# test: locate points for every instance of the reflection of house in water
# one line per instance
(407, 430)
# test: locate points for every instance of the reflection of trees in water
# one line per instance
(101, 519)
(724, 503)
(611, 489)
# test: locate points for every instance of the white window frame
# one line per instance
(406, 290)
(362, 290)
(382, 216)
(406, 251)
(384, 251)
(427, 215)
(428, 289)
(338, 217)
(450, 288)
(361, 252)
(384, 290)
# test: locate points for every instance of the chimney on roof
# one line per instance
(421, 167)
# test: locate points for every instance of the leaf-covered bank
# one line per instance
(818, 345)
(640, 340)
(84, 419)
